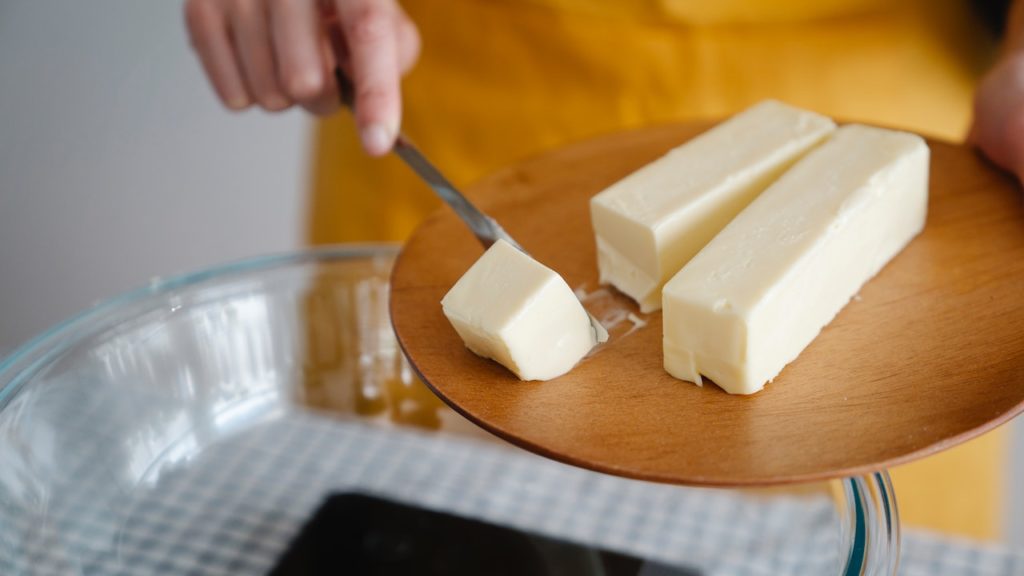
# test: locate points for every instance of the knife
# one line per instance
(486, 229)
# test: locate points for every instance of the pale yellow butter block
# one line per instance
(649, 224)
(520, 313)
(767, 284)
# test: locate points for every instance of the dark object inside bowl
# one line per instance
(366, 535)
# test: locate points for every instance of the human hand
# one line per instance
(998, 127)
(277, 53)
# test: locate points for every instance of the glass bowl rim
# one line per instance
(17, 367)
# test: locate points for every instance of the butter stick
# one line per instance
(765, 286)
(649, 224)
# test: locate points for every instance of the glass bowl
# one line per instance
(194, 425)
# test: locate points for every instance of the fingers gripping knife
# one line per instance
(486, 229)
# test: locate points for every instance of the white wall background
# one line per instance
(117, 165)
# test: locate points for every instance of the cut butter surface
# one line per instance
(649, 224)
(520, 313)
(767, 284)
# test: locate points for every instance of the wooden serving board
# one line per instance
(930, 354)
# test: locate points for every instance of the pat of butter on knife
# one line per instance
(520, 313)
(765, 286)
(649, 224)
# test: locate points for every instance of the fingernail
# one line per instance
(238, 103)
(376, 139)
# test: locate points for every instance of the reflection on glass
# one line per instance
(354, 364)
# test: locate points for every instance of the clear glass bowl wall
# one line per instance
(192, 426)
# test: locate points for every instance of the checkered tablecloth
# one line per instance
(233, 506)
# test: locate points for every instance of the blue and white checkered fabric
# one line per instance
(236, 505)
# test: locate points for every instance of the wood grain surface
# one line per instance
(929, 355)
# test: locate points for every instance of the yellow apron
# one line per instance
(500, 80)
